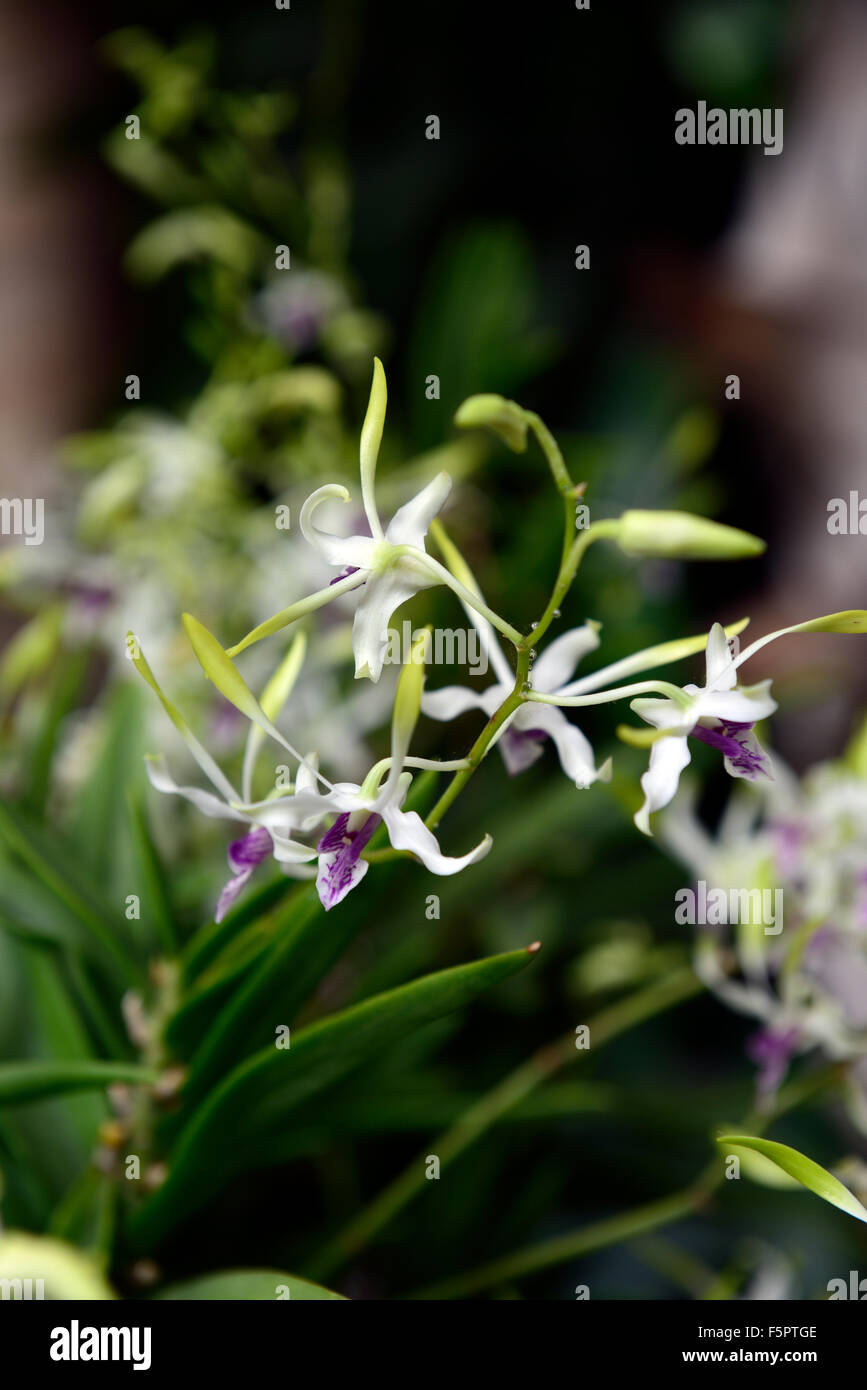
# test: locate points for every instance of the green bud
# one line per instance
(682, 536)
(506, 419)
(407, 700)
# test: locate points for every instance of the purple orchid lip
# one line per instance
(730, 739)
(244, 856)
(344, 574)
(344, 846)
(520, 748)
(772, 1051)
(250, 850)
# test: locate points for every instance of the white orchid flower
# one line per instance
(379, 799)
(225, 803)
(522, 739)
(720, 713)
(391, 564)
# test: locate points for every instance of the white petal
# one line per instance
(719, 664)
(745, 705)
(289, 852)
(355, 551)
(668, 757)
(573, 748)
(453, 700)
(371, 436)
(382, 594)
(558, 661)
(665, 714)
(409, 524)
(210, 805)
(407, 830)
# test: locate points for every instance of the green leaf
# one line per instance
(210, 939)
(236, 1284)
(100, 828)
(225, 1039)
(796, 1165)
(64, 881)
(150, 877)
(264, 1090)
(27, 1081)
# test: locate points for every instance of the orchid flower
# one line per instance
(807, 986)
(391, 564)
(523, 736)
(225, 803)
(360, 810)
(721, 713)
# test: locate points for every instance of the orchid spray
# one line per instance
(324, 828)
(803, 979)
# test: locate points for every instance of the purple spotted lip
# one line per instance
(344, 846)
(732, 740)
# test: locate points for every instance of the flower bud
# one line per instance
(407, 699)
(506, 419)
(682, 536)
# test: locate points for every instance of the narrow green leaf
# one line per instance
(225, 1040)
(28, 1081)
(99, 828)
(272, 1083)
(796, 1165)
(61, 879)
(263, 1285)
(151, 879)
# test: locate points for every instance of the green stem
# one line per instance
(490, 1109)
(561, 1248)
(572, 558)
(629, 1224)
(621, 692)
(512, 702)
(466, 595)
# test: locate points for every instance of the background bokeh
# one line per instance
(453, 257)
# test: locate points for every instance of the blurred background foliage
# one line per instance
(455, 258)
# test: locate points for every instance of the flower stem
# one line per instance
(613, 1230)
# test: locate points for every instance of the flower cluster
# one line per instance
(316, 827)
(806, 983)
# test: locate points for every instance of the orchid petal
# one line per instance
(406, 830)
(720, 672)
(383, 594)
(453, 700)
(371, 438)
(558, 661)
(210, 805)
(745, 705)
(573, 747)
(355, 551)
(668, 758)
(410, 523)
(213, 773)
(335, 878)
